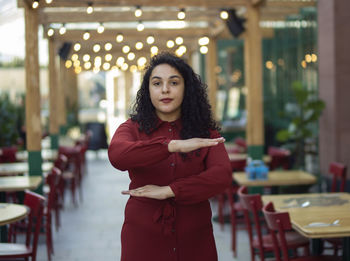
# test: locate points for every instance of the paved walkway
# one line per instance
(92, 230)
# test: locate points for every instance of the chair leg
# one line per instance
(233, 230)
(221, 203)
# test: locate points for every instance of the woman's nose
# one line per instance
(165, 88)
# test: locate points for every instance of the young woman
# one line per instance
(176, 161)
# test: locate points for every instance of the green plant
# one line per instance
(303, 115)
(8, 122)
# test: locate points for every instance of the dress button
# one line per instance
(174, 249)
(172, 164)
(170, 130)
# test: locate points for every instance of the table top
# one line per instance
(312, 215)
(10, 213)
(19, 183)
(242, 156)
(20, 168)
(46, 154)
(277, 178)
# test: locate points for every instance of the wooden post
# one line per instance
(33, 119)
(53, 94)
(253, 78)
(62, 113)
(210, 64)
(128, 86)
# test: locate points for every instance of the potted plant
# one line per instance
(303, 116)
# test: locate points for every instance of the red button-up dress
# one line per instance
(179, 228)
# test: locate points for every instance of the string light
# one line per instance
(100, 28)
(140, 26)
(120, 61)
(96, 48)
(150, 39)
(141, 61)
(139, 45)
(181, 14)
(106, 66)
(179, 40)
(68, 64)
(119, 38)
(63, 29)
(133, 68)
(77, 47)
(86, 57)
(50, 32)
(75, 57)
(138, 11)
(35, 4)
(86, 35)
(108, 46)
(154, 50)
(170, 44)
(131, 56)
(203, 49)
(125, 66)
(108, 57)
(89, 9)
(203, 40)
(126, 49)
(48, 1)
(224, 15)
(87, 65)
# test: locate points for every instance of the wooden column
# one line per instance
(254, 80)
(210, 64)
(53, 94)
(128, 86)
(33, 119)
(62, 113)
(334, 71)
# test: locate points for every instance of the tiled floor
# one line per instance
(92, 230)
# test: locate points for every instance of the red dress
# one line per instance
(179, 228)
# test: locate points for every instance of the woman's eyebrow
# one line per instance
(171, 77)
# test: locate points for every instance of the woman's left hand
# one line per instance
(151, 191)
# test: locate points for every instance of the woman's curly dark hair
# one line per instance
(196, 115)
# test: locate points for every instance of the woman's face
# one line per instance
(166, 88)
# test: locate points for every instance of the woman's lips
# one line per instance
(167, 100)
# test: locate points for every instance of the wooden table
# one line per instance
(317, 207)
(46, 154)
(277, 178)
(17, 168)
(242, 156)
(10, 213)
(19, 183)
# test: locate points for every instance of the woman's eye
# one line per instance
(174, 83)
(156, 83)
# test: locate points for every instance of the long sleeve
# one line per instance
(214, 179)
(127, 151)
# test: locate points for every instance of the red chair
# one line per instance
(280, 222)
(13, 251)
(252, 204)
(241, 143)
(8, 154)
(280, 158)
(338, 172)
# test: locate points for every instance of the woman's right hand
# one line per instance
(189, 145)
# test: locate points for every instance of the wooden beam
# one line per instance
(143, 3)
(53, 90)
(210, 64)
(33, 118)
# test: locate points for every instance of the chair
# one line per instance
(239, 141)
(280, 222)
(252, 205)
(338, 172)
(13, 251)
(8, 154)
(280, 158)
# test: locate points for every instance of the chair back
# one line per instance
(252, 204)
(238, 164)
(278, 222)
(52, 180)
(241, 142)
(8, 154)
(338, 171)
(280, 158)
(61, 162)
(35, 202)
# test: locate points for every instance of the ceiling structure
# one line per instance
(159, 18)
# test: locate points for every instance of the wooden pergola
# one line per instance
(117, 16)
